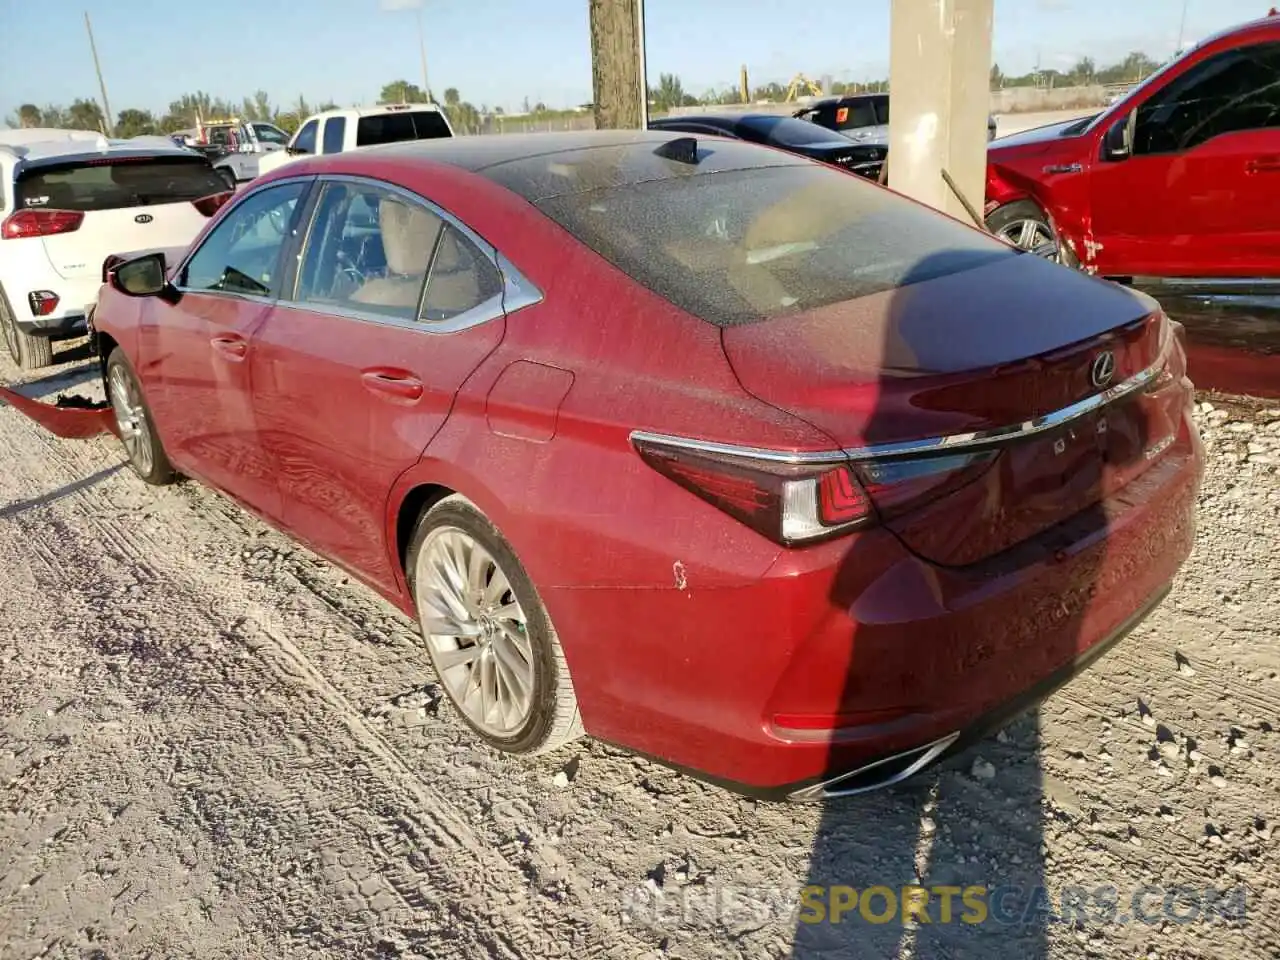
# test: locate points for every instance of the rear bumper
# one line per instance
(725, 683)
(68, 325)
(68, 318)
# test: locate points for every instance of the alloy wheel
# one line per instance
(476, 631)
(131, 418)
(1034, 236)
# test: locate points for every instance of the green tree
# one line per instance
(29, 115)
(135, 123)
(402, 91)
(85, 115)
(451, 97)
(668, 93)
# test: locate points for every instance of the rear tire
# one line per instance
(135, 424)
(28, 352)
(488, 634)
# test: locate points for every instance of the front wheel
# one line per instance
(487, 633)
(135, 424)
(1024, 225)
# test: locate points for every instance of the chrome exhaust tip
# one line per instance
(878, 775)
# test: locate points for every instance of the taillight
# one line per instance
(42, 302)
(213, 203)
(33, 222)
(799, 503)
(790, 503)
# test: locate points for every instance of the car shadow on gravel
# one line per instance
(963, 842)
(59, 381)
(20, 506)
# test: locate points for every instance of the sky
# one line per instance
(498, 52)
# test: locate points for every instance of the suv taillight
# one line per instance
(213, 203)
(40, 223)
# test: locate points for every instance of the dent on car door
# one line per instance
(1198, 193)
(194, 356)
(357, 369)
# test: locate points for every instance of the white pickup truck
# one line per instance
(336, 131)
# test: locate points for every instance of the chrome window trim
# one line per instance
(517, 292)
(908, 448)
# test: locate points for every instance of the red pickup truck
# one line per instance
(1174, 189)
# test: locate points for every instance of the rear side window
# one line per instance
(855, 114)
(882, 110)
(335, 128)
(115, 183)
(395, 127)
(742, 246)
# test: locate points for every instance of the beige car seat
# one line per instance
(408, 235)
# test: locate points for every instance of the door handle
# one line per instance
(400, 384)
(1270, 164)
(231, 346)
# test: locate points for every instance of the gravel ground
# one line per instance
(214, 745)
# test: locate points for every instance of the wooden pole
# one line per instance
(102, 85)
(615, 64)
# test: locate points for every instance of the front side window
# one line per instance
(242, 253)
(368, 251)
(270, 133)
(306, 141)
(335, 129)
(1232, 91)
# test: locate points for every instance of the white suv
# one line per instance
(337, 131)
(70, 198)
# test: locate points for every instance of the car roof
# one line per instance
(33, 146)
(538, 166)
(378, 110)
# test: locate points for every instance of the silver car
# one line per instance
(862, 117)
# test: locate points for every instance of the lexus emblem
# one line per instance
(143, 218)
(1104, 368)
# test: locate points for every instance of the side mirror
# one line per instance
(294, 151)
(1118, 142)
(143, 277)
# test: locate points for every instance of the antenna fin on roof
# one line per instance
(681, 150)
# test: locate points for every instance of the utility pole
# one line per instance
(644, 67)
(422, 49)
(1182, 27)
(102, 85)
(616, 73)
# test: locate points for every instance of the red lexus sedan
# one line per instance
(707, 450)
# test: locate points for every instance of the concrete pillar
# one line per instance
(939, 77)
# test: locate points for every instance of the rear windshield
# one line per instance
(394, 127)
(788, 131)
(118, 182)
(746, 245)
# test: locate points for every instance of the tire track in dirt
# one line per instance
(138, 548)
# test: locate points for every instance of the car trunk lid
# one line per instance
(981, 407)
